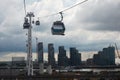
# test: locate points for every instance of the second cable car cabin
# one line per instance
(58, 28)
(37, 23)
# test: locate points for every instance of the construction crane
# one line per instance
(118, 55)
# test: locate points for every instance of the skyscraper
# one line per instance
(75, 57)
(40, 52)
(62, 58)
(51, 58)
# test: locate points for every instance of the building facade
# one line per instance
(75, 57)
(62, 58)
(18, 59)
(18, 62)
(105, 57)
(51, 58)
(40, 52)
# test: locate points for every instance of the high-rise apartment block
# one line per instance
(51, 58)
(75, 57)
(105, 57)
(40, 52)
(62, 58)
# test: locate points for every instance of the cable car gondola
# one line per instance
(58, 27)
(37, 22)
(26, 24)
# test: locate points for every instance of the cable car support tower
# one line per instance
(28, 25)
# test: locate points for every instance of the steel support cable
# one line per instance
(74, 6)
(25, 7)
(65, 9)
(34, 7)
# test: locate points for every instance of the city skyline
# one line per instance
(43, 56)
(89, 27)
(106, 56)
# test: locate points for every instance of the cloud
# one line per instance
(100, 15)
(88, 27)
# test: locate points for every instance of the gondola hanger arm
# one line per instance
(61, 14)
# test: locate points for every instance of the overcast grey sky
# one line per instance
(89, 27)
